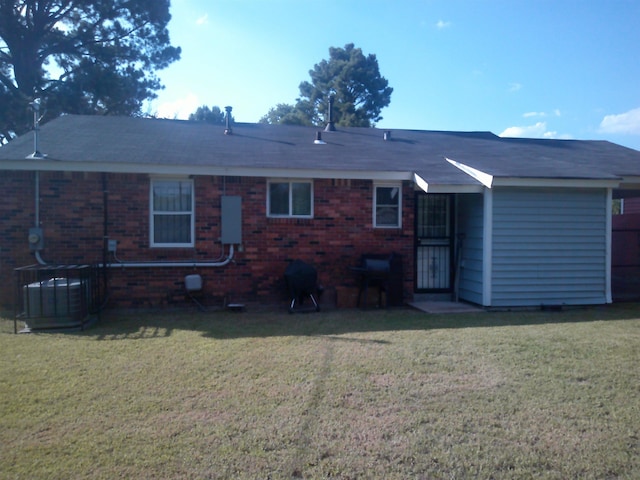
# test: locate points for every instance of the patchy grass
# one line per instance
(376, 394)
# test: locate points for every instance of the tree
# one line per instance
(352, 78)
(211, 115)
(80, 56)
(286, 114)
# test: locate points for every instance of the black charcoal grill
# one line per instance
(383, 272)
(302, 281)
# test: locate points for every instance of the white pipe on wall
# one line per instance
(37, 214)
(37, 199)
(174, 264)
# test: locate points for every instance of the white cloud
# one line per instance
(537, 130)
(203, 20)
(514, 87)
(178, 109)
(625, 123)
(555, 113)
(441, 24)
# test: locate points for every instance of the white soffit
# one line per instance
(426, 187)
(51, 164)
(483, 178)
(629, 182)
(491, 181)
(555, 182)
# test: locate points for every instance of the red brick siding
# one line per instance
(72, 216)
(631, 205)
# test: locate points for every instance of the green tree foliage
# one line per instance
(211, 115)
(354, 80)
(80, 56)
(208, 115)
(286, 114)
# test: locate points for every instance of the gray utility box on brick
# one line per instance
(231, 213)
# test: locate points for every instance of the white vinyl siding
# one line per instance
(549, 247)
(470, 224)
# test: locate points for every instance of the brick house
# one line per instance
(625, 264)
(495, 222)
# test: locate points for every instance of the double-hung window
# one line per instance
(387, 206)
(290, 198)
(172, 213)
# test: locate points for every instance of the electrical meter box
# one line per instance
(231, 221)
(36, 239)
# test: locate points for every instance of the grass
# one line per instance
(343, 394)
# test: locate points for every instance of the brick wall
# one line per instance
(632, 205)
(72, 217)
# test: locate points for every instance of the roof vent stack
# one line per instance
(330, 126)
(386, 135)
(227, 128)
(318, 140)
(35, 106)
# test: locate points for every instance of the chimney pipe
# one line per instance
(227, 129)
(330, 126)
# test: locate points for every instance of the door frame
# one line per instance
(447, 241)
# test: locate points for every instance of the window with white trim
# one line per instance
(387, 206)
(290, 198)
(172, 213)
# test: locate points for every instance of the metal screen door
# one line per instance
(433, 242)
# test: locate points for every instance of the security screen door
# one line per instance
(434, 242)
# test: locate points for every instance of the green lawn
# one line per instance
(392, 394)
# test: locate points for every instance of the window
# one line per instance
(290, 199)
(172, 217)
(387, 206)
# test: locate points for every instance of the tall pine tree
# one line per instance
(80, 56)
(353, 79)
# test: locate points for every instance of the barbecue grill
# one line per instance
(383, 272)
(302, 281)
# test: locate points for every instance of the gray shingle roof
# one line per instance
(152, 144)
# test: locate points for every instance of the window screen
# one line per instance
(172, 213)
(387, 206)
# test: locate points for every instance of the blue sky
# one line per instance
(564, 69)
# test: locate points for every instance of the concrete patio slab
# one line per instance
(445, 307)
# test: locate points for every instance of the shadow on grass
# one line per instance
(231, 325)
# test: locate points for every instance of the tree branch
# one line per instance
(7, 82)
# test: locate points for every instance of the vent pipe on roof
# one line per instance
(386, 135)
(318, 140)
(227, 129)
(35, 106)
(330, 126)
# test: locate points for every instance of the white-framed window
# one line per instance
(387, 205)
(172, 208)
(290, 198)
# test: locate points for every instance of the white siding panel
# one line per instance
(549, 247)
(470, 223)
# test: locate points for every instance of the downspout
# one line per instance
(36, 155)
(37, 212)
(105, 235)
(487, 248)
(608, 243)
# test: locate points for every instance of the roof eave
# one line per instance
(422, 184)
(556, 182)
(49, 165)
